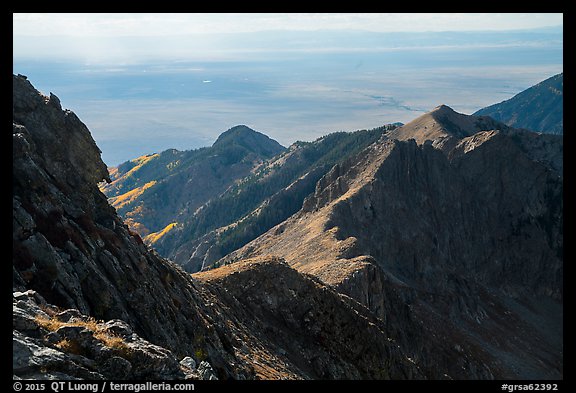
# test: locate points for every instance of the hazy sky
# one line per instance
(169, 24)
(129, 38)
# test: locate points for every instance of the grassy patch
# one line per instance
(70, 346)
(99, 332)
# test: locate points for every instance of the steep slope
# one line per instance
(272, 193)
(91, 302)
(152, 191)
(538, 108)
(453, 224)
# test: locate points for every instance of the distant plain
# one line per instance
(289, 85)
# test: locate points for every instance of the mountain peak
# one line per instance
(240, 129)
(443, 110)
(236, 133)
(246, 137)
(81, 151)
(443, 127)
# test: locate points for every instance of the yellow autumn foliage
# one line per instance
(121, 200)
(155, 236)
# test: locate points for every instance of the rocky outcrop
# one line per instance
(49, 343)
(449, 223)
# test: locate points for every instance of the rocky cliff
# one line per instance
(421, 257)
(90, 300)
(453, 225)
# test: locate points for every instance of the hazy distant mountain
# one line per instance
(538, 108)
(151, 191)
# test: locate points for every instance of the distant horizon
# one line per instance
(102, 47)
(146, 24)
(141, 93)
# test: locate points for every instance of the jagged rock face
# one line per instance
(451, 234)
(53, 344)
(479, 214)
(58, 138)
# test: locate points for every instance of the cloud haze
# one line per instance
(122, 24)
(128, 38)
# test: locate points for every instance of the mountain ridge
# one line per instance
(363, 168)
(198, 230)
(151, 191)
(266, 197)
(538, 108)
